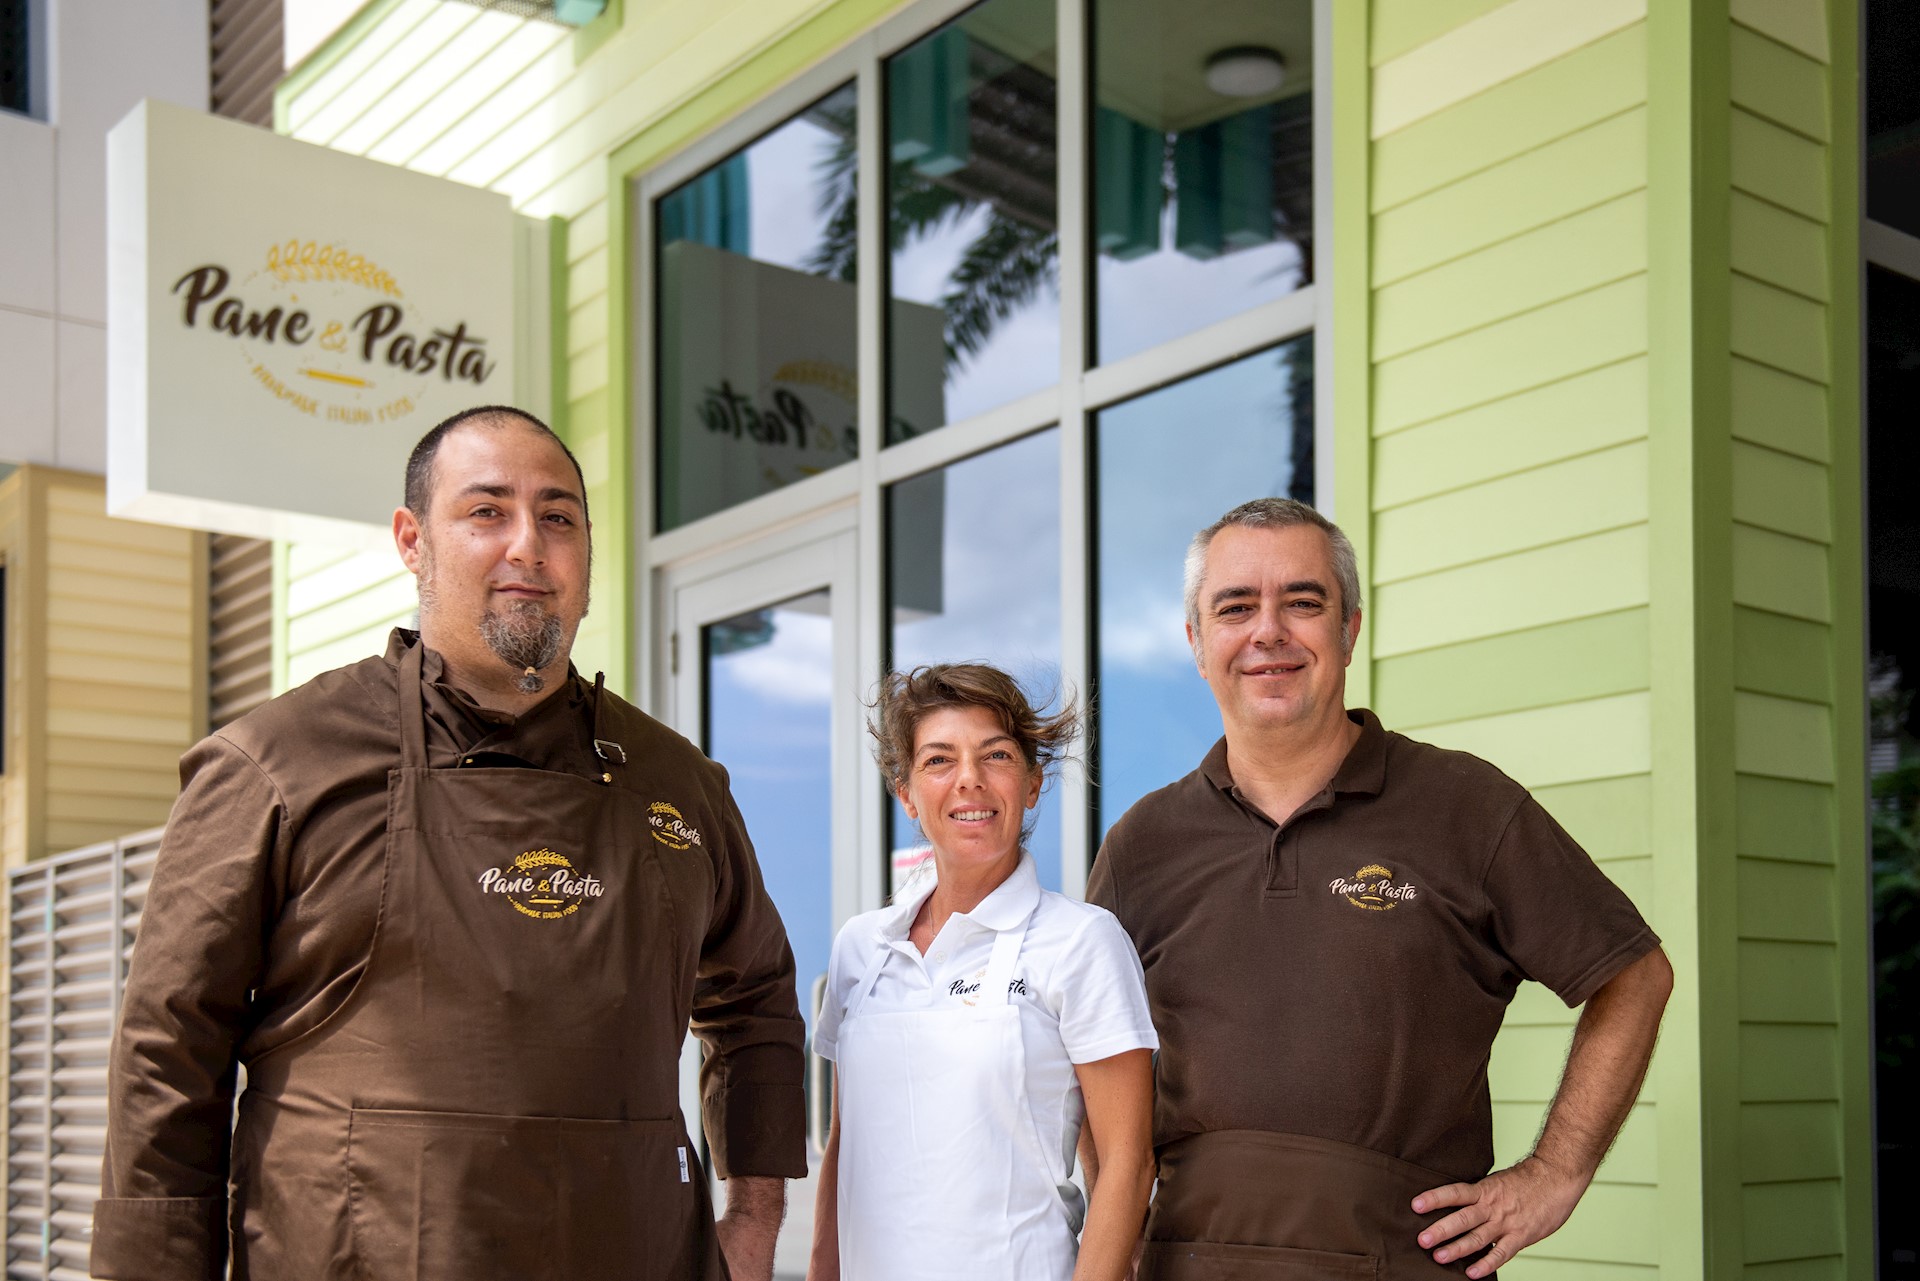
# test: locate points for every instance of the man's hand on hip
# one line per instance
(748, 1229)
(1502, 1214)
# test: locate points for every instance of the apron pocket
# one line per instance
(433, 1195)
(1217, 1261)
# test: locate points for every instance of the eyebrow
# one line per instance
(547, 495)
(1298, 586)
(948, 747)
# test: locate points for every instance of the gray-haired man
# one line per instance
(1333, 919)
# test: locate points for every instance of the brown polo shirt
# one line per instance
(268, 886)
(1343, 974)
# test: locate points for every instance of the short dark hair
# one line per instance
(420, 462)
(907, 698)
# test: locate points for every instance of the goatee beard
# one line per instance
(525, 636)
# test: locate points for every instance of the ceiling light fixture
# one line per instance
(1246, 71)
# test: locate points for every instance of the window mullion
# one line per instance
(870, 885)
(1076, 657)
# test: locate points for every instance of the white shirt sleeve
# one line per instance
(844, 967)
(1102, 992)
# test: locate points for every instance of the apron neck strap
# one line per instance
(1006, 952)
(413, 708)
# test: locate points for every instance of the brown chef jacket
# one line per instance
(1342, 975)
(262, 913)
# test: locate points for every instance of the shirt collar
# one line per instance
(1364, 770)
(1009, 905)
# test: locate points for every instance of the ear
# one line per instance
(406, 538)
(900, 794)
(1034, 784)
(1353, 634)
(1193, 647)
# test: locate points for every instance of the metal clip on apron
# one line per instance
(942, 1173)
(498, 1096)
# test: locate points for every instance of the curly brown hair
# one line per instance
(907, 698)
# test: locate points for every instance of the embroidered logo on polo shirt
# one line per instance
(542, 884)
(1373, 889)
(968, 989)
(670, 828)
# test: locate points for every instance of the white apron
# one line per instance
(942, 1174)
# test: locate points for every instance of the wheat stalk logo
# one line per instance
(540, 858)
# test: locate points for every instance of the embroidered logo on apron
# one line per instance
(1373, 889)
(542, 884)
(670, 829)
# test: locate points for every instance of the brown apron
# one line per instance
(499, 1094)
(1252, 1205)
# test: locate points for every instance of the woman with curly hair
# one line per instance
(977, 1022)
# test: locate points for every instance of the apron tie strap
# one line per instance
(606, 749)
(413, 708)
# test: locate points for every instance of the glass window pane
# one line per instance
(973, 575)
(975, 315)
(1893, 114)
(1893, 640)
(1203, 164)
(758, 355)
(1242, 431)
(769, 691)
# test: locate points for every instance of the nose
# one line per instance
(1270, 627)
(527, 545)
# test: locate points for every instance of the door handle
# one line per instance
(819, 1077)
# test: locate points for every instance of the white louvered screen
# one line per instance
(70, 928)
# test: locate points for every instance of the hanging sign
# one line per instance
(285, 322)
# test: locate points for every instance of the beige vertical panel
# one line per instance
(71, 922)
(106, 669)
(248, 47)
(239, 626)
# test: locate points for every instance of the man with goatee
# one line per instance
(452, 909)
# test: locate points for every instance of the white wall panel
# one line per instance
(26, 251)
(26, 374)
(81, 439)
(106, 55)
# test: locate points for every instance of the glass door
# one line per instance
(761, 647)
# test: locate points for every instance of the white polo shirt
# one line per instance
(1078, 985)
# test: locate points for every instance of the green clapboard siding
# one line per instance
(1774, 654)
(1516, 671)
(1563, 97)
(1782, 818)
(1788, 1063)
(1577, 415)
(1778, 83)
(1780, 411)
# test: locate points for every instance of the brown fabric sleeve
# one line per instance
(1103, 889)
(746, 1011)
(1555, 914)
(163, 1208)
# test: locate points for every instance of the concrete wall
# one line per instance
(102, 57)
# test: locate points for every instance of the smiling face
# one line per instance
(968, 787)
(502, 556)
(1271, 644)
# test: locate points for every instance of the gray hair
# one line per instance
(1277, 513)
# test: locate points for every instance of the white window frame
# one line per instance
(1081, 392)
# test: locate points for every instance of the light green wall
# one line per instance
(1595, 313)
(1614, 490)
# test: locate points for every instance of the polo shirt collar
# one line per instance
(1363, 771)
(1010, 904)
